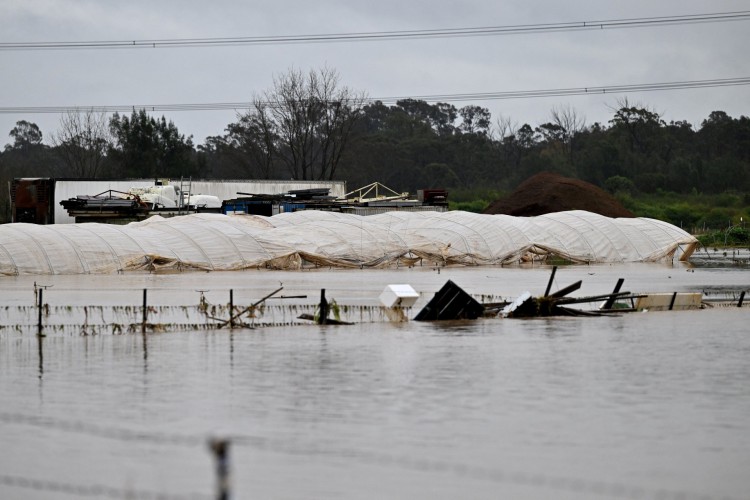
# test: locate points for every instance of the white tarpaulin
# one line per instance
(292, 240)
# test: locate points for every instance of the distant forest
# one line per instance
(310, 127)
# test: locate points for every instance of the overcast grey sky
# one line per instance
(609, 57)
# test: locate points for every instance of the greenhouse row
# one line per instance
(215, 242)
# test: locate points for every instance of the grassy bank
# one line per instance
(695, 213)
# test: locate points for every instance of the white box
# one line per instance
(399, 295)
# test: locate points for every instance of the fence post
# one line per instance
(323, 317)
(551, 279)
(220, 449)
(145, 311)
(231, 309)
(41, 307)
(671, 303)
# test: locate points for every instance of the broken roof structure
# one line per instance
(292, 240)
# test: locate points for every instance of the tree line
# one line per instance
(309, 126)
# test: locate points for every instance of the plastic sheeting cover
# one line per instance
(292, 240)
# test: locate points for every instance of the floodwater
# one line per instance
(642, 405)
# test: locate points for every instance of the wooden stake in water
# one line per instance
(145, 311)
(220, 449)
(41, 307)
(551, 279)
(609, 304)
(323, 316)
(231, 309)
(671, 303)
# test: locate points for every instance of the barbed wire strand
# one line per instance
(519, 478)
(93, 490)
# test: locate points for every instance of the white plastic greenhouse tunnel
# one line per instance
(214, 242)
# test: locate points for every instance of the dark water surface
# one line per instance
(644, 405)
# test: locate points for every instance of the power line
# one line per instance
(642, 22)
(613, 89)
(459, 97)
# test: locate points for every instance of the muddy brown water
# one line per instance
(643, 405)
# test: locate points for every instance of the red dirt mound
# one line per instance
(547, 192)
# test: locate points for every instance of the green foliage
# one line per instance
(476, 206)
(688, 176)
(681, 214)
(25, 135)
(151, 148)
(619, 184)
(643, 208)
(739, 235)
(473, 200)
(727, 200)
(438, 175)
(471, 195)
(627, 201)
(717, 217)
(650, 182)
(732, 237)
(695, 213)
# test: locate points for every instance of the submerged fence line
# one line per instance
(116, 319)
(420, 464)
(97, 320)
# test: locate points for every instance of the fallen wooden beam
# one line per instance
(329, 321)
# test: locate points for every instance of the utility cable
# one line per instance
(642, 22)
(458, 97)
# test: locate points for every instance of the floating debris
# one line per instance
(557, 304)
(450, 302)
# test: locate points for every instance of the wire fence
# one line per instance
(121, 319)
(51, 314)
(93, 490)
(552, 483)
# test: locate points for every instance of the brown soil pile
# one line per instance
(547, 192)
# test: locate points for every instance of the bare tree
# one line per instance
(341, 108)
(569, 123)
(512, 140)
(567, 118)
(266, 146)
(506, 128)
(82, 142)
(308, 119)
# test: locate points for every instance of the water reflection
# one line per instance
(523, 409)
(144, 345)
(40, 350)
(456, 328)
